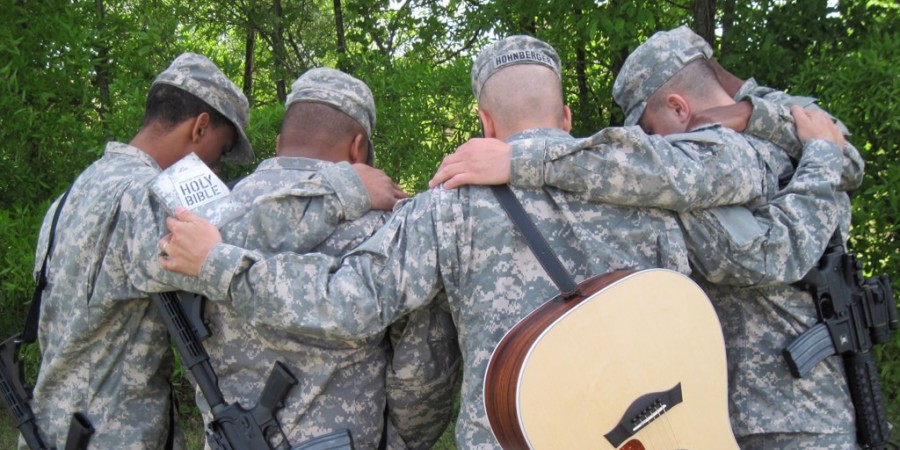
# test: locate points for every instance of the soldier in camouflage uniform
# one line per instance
(745, 264)
(453, 241)
(459, 241)
(104, 353)
(342, 382)
(760, 311)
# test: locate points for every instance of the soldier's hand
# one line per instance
(383, 192)
(481, 161)
(189, 241)
(815, 124)
(733, 116)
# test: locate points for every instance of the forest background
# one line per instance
(74, 75)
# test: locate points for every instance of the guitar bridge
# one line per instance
(642, 412)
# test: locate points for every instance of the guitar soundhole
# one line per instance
(633, 444)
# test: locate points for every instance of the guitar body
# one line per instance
(636, 361)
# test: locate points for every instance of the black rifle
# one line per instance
(233, 427)
(16, 394)
(855, 313)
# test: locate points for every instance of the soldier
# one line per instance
(761, 313)
(329, 119)
(103, 351)
(745, 265)
(456, 240)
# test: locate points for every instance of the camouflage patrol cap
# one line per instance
(199, 76)
(339, 90)
(518, 49)
(652, 64)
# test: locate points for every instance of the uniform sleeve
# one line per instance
(771, 120)
(385, 278)
(349, 192)
(269, 214)
(624, 166)
(295, 216)
(780, 240)
(142, 224)
(422, 376)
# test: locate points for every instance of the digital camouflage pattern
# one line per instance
(625, 166)
(772, 121)
(768, 405)
(459, 242)
(518, 49)
(651, 65)
(342, 382)
(770, 240)
(340, 90)
(103, 350)
(198, 75)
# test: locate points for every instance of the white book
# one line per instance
(192, 184)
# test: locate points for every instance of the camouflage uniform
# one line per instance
(103, 351)
(460, 243)
(342, 382)
(746, 255)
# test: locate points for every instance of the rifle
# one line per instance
(16, 394)
(855, 313)
(233, 427)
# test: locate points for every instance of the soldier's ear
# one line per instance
(567, 119)
(487, 124)
(359, 149)
(201, 122)
(679, 107)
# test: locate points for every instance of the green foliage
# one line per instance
(414, 132)
(57, 57)
(18, 234)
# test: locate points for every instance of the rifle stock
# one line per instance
(16, 394)
(234, 427)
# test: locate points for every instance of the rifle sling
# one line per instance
(536, 242)
(29, 334)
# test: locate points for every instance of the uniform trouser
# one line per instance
(804, 441)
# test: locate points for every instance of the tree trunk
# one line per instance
(704, 12)
(581, 76)
(339, 30)
(101, 68)
(279, 51)
(728, 20)
(249, 50)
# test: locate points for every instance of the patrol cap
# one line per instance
(517, 49)
(199, 76)
(339, 90)
(652, 64)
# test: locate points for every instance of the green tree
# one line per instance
(74, 74)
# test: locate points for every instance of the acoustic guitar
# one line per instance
(635, 361)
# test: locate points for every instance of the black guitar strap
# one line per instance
(536, 242)
(29, 334)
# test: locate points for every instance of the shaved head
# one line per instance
(524, 96)
(317, 128)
